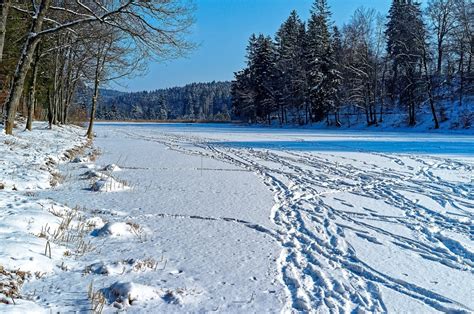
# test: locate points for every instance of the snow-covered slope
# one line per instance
(28, 162)
(28, 159)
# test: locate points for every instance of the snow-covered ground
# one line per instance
(28, 163)
(202, 218)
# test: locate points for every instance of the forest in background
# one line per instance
(413, 62)
(197, 101)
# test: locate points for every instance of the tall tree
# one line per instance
(262, 69)
(156, 28)
(290, 66)
(243, 96)
(405, 52)
(336, 74)
(318, 59)
(440, 14)
(4, 7)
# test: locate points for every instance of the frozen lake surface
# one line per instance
(249, 219)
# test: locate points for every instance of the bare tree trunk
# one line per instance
(32, 96)
(56, 85)
(50, 109)
(67, 88)
(383, 91)
(336, 118)
(70, 94)
(461, 77)
(440, 57)
(430, 88)
(23, 66)
(4, 7)
(89, 133)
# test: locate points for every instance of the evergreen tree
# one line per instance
(319, 63)
(335, 75)
(262, 71)
(405, 51)
(243, 96)
(290, 78)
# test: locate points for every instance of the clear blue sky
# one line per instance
(222, 29)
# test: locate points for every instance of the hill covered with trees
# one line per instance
(197, 101)
(413, 62)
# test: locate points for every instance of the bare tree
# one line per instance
(115, 57)
(32, 92)
(4, 7)
(440, 14)
(463, 43)
(363, 41)
(154, 27)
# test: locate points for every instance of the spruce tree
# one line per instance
(290, 68)
(262, 71)
(405, 51)
(243, 98)
(318, 58)
(335, 75)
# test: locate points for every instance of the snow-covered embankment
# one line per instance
(28, 162)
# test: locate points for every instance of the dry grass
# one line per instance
(102, 185)
(96, 298)
(56, 179)
(71, 232)
(9, 143)
(128, 266)
(146, 264)
(10, 284)
(96, 152)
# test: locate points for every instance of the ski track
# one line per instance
(320, 269)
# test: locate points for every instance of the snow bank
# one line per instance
(92, 174)
(112, 168)
(127, 293)
(124, 294)
(27, 158)
(95, 222)
(118, 229)
(27, 224)
(22, 237)
(109, 184)
(122, 267)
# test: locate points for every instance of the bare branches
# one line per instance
(75, 30)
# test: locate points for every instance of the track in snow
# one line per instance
(320, 268)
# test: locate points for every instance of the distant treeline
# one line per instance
(197, 101)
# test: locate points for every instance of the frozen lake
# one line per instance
(270, 220)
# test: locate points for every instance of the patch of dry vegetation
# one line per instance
(10, 284)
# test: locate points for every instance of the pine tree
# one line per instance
(290, 66)
(243, 96)
(405, 52)
(318, 56)
(335, 75)
(262, 71)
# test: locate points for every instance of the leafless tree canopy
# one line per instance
(125, 34)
